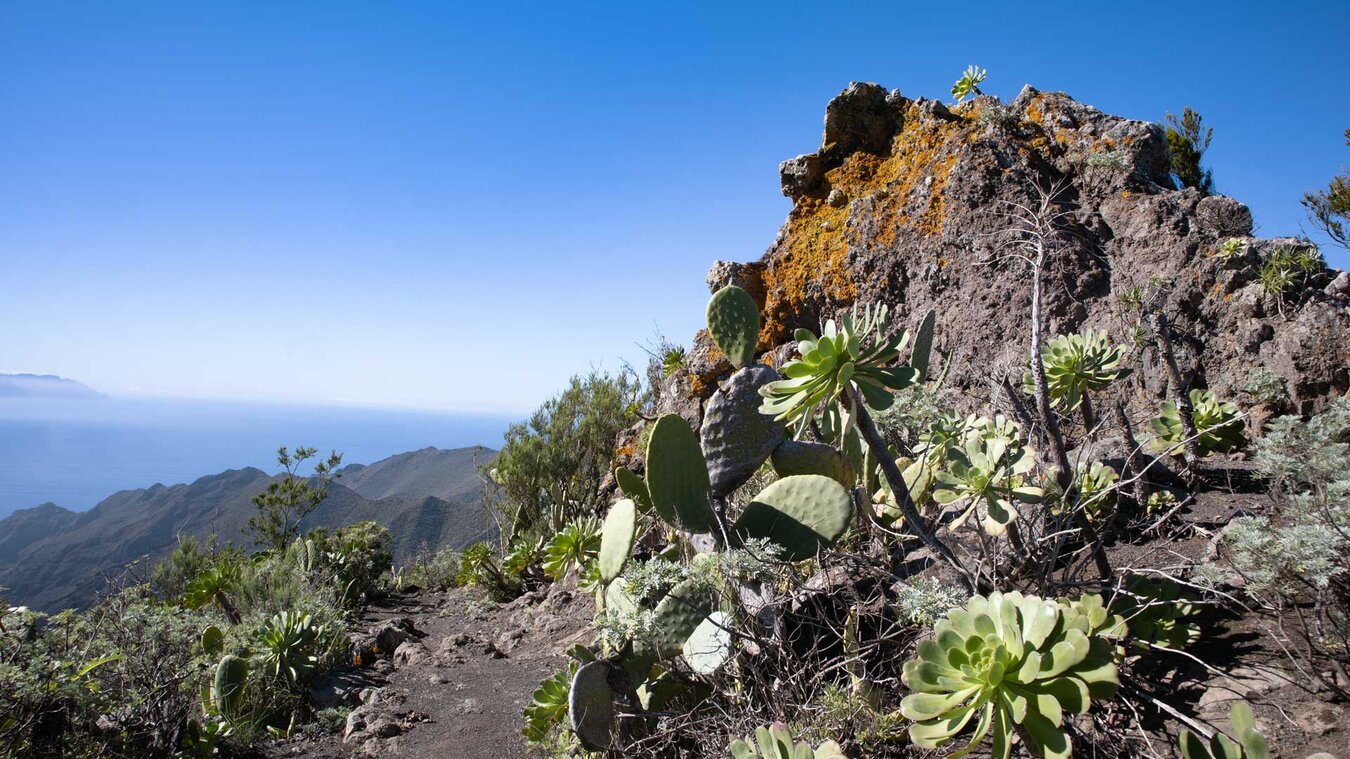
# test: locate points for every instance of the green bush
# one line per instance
(436, 572)
(550, 467)
(1188, 139)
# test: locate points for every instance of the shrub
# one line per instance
(550, 467)
(1266, 388)
(358, 559)
(923, 600)
(1288, 266)
(288, 500)
(435, 572)
(1188, 139)
(1329, 209)
(1299, 553)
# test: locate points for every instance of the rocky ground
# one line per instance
(445, 675)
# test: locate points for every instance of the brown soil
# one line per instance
(466, 700)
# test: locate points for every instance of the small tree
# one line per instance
(1188, 139)
(1329, 209)
(550, 468)
(287, 501)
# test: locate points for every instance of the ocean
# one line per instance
(75, 453)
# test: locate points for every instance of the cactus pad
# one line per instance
(802, 514)
(677, 617)
(804, 457)
(212, 640)
(733, 322)
(709, 646)
(633, 487)
(227, 689)
(590, 701)
(616, 539)
(736, 437)
(677, 476)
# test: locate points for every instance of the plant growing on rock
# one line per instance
(1218, 426)
(1188, 139)
(776, 742)
(969, 83)
(1011, 664)
(986, 474)
(1075, 364)
(575, 546)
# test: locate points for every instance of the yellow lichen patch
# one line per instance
(905, 190)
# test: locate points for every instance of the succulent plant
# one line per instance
(1096, 490)
(1246, 742)
(736, 439)
(1074, 364)
(227, 686)
(858, 352)
(1217, 425)
(1003, 661)
(807, 457)
(594, 701)
(677, 476)
(986, 474)
(548, 705)
(1158, 610)
(290, 644)
(212, 640)
(776, 742)
(710, 644)
(634, 487)
(801, 514)
(572, 548)
(969, 83)
(733, 322)
(616, 539)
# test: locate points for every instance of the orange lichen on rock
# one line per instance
(906, 190)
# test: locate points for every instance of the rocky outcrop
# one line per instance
(908, 202)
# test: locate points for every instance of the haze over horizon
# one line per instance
(426, 206)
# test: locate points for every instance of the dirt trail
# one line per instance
(457, 687)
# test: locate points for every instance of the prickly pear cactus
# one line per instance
(212, 640)
(633, 487)
(616, 539)
(736, 437)
(709, 646)
(677, 476)
(802, 514)
(590, 702)
(733, 322)
(806, 457)
(227, 689)
(678, 615)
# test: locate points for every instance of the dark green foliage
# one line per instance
(290, 499)
(356, 559)
(1188, 139)
(550, 468)
(1329, 209)
(193, 557)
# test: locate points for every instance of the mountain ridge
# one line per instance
(52, 557)
(24, 385)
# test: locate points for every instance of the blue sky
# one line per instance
(457, 206)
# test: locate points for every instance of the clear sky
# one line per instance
(458, 205)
